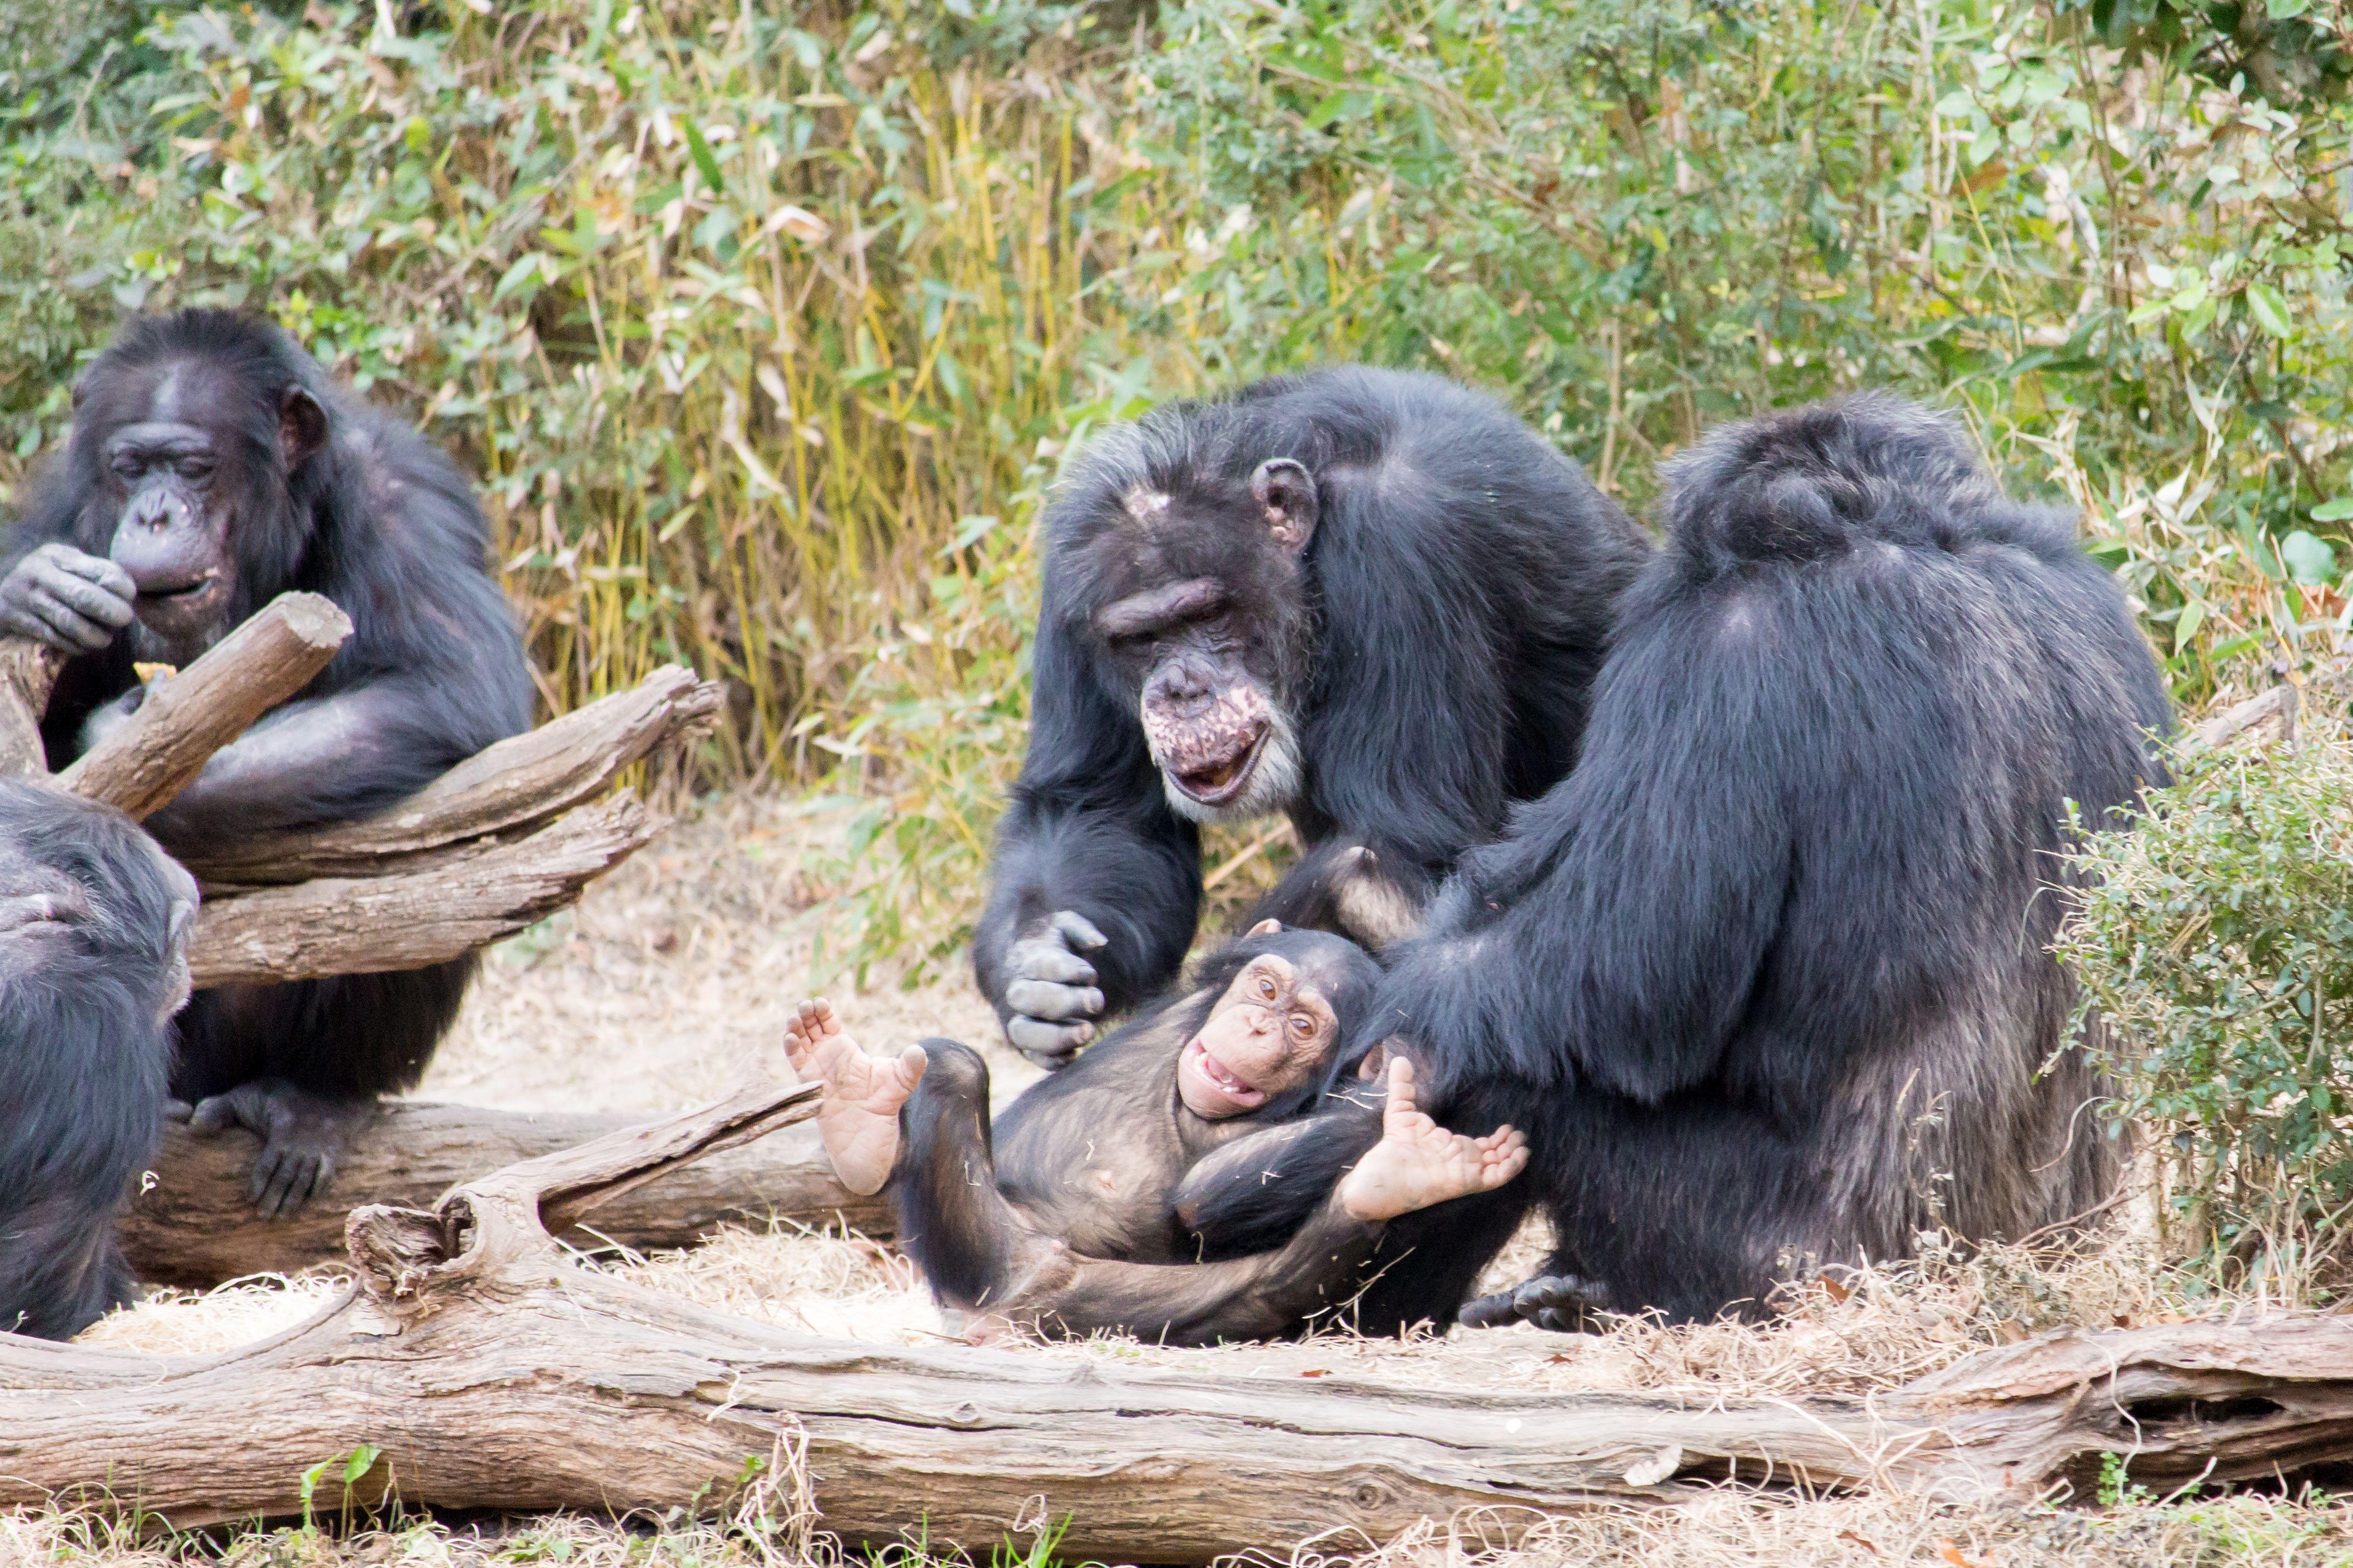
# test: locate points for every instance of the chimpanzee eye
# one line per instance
(1265, 989)
(127, 466)
(1303, 1027)
(195, 468)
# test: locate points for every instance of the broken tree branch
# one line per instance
(442, 906)
(185, 718)
(492, 1371)
(2272, 711)
(196, 1228)
(521, 780)
(27, 670)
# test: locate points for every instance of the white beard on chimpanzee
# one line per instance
(1768, 978)
(213, 465)
(1369, 600)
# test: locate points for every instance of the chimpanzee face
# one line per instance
(1204, 623)
(1273, 1030)
(181, 480)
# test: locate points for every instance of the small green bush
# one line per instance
(2215, 939)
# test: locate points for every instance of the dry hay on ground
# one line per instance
(676, 971)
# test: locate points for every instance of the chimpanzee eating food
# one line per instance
(1068, 1215)
(94, 924)
(1372, 600)
(213, 467)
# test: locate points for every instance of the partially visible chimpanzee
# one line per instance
(1372, 600)
(94, 923)
(1768, 977)
(1066, 1216)
(214, 465)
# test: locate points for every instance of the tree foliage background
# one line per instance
(765, 326)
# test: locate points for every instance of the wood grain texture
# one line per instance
(27, 670)
(185, 718)
(440, 907)
(495, 1371)
(194, 1228)
(520, 781)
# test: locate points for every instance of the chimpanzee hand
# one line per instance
(1052, 991)
(302, 1134)
(1567, 1303)
(69, 600)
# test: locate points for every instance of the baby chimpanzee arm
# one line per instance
(1254, 1193)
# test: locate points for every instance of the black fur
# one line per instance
(1765, 980)
(1436, 644)
(93, 924)
(383, 523)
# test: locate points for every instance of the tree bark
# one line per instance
(185, 718)
(444, 905)
(27, 670)
(196, 1228)
(520, 781)
(490, 1371)
(2269, 717)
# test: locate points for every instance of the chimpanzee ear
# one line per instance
(1286, 491)
(301, 427)
(1264, 928)
(1376, 1065)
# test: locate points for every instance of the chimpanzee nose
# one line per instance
(155, 508)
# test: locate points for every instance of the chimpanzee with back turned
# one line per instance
(1768, 979)
(1068, 1215)
(1372, 600)
(214, 465)
(94, 923)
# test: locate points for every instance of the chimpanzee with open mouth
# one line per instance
(1373, 600)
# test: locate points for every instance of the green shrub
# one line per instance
(2216, 941)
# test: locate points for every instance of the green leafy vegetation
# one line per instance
(2217, 943)
(768, 326)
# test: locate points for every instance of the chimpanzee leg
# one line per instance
(302, 1064)
(959, 1229)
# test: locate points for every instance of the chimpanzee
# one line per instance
(94, 923)
(1068, 1215)
(214, 465)
(1370, 599)
(1768, 977)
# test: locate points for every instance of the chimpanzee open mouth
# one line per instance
(1237, 1089)
(1217, 782)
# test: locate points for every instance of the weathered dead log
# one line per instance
(27, 670)
(518, 782)
(185, 718)
(490, 1371)
(2266, 718)
(196, 1228)
(440, 907)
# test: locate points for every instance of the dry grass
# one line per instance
(676, 971)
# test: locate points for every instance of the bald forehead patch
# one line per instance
(1145, 504)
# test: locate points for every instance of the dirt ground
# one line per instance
(676, 972)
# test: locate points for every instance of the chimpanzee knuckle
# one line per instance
(1060, 967)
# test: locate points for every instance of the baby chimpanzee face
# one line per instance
(1273, 1031)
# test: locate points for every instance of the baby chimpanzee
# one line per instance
(1067, 1215)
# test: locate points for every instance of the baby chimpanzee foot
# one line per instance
(1418, 1162)
(302, 1135)
(1567, 1303)
(858, 1116)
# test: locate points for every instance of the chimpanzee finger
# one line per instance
(215, 1114)
(1079, 930)
(96, 569)
(1037, 999)
(64, 625)
(178, 1110)
(1051, 1046)
(291, 1172)
(1042, 961)
(1489, 1312)
(94, 600)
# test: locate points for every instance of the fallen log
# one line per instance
(474, 1364)
(27, 670)
(519, 781)
(195, 1226)
(2267, 717)
(183, 718)
(443, 906)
